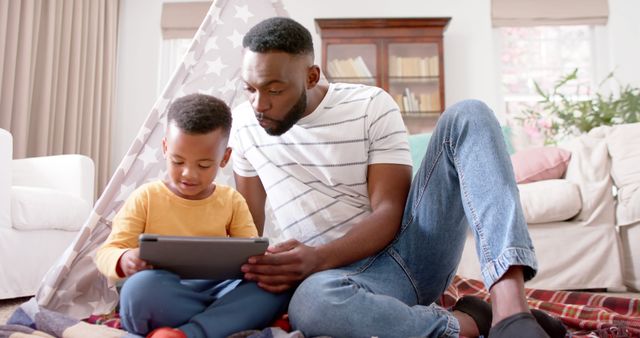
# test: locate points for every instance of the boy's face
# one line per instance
(193, 160)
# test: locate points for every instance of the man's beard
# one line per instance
(292, 117)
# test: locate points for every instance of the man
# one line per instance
(333, 161)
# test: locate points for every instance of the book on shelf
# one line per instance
(430, 102)
(349, 68)
(362, 68)
(434, 67)
(413, 66)
(409, 102)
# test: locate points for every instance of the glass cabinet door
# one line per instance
(414, 77)
(403, 56)
(352, 63)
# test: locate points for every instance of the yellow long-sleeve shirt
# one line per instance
(153, 208)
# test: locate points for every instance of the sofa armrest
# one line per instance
(6, 153)
(74, 174)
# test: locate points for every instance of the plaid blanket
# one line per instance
(31, 321)
(585, 314)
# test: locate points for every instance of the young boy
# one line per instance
(187, 203)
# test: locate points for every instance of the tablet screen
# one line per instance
(200, 257)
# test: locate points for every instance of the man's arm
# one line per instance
(291, 261)
(253, 191)
(388, 186)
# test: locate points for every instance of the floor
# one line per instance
(7, 306)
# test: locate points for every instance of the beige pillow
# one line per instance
(549, 201)
(623, 143)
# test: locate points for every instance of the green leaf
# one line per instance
(570, 116)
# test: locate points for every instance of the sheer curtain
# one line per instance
(172, 52)
(179, 23)
(57, 72)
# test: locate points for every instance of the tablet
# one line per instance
(200, 257)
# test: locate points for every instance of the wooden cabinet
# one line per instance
(404, 56)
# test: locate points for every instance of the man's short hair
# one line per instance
(279, 34)
(200, 114)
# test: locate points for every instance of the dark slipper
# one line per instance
(481, 313)
(477, 309)
(521, 325)
(551, 325)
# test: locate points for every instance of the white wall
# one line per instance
(139, 40)
(624, 40)
(470, 64)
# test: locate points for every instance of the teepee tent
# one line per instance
(212, 66)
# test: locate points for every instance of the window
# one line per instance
(543, 54)
(171, 55)
(179, 22)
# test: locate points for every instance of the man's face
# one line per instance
(275, 83)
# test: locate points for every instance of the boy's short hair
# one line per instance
(200, 114)
(279, 34)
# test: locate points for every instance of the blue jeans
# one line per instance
(465, 180)
(200, 308)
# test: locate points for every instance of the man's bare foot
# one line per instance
(507, 295)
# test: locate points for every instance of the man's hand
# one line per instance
(282, 266)
(131, 263)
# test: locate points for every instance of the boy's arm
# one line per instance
(253, 192)
(126, 227)
(241, 221)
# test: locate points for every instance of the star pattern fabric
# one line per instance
(148, 156)
(243, 13)
(216, 66)
(125, 191)
(210, 66)
(212, 43)
(236, 38)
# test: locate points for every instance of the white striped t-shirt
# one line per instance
(315, 174)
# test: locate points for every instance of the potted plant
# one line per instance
(559, 115)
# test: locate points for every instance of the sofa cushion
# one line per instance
(549, 201)
(42, 208)
(623, 143)
(542, 163)
(418, 144)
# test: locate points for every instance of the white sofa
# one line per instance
(43, 203)
(623, 142)
(574, 221)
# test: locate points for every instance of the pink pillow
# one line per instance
(537, 164)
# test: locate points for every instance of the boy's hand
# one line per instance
(131, 263)
(283, 266)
